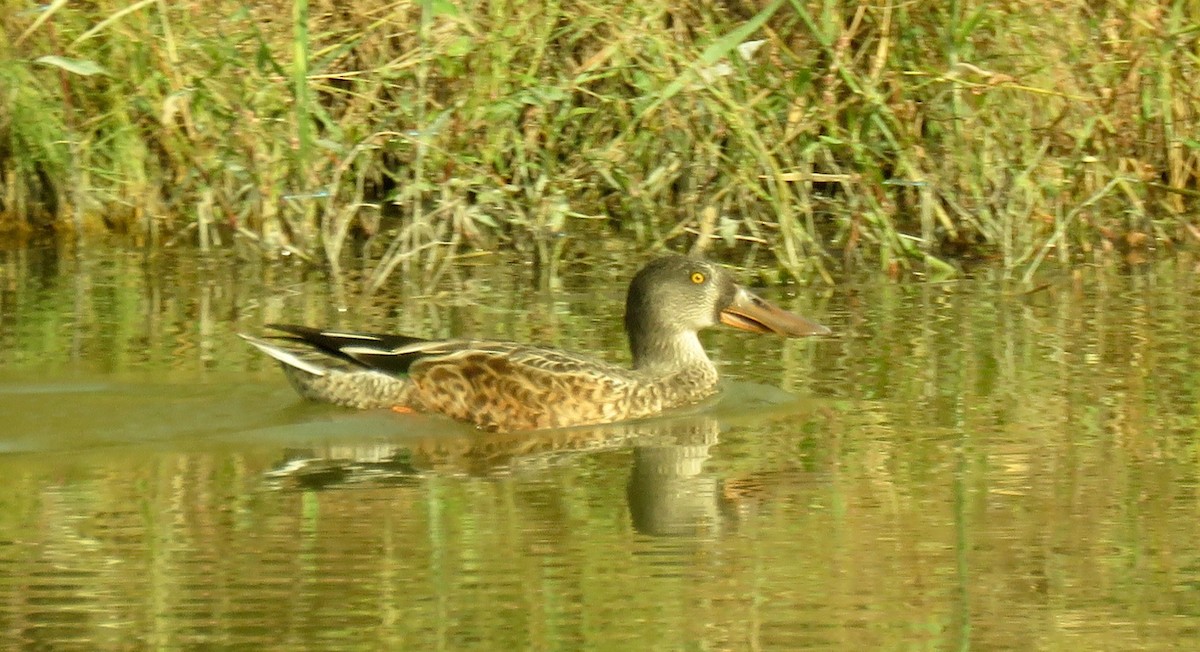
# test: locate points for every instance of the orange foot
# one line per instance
(403, 409)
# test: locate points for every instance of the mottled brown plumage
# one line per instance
(508, 386)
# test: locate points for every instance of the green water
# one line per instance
(962, 466)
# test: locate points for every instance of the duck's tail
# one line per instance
(358, 370)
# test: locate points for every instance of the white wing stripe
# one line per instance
(351, 336)
(285, 356)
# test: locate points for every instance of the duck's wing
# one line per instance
(397, 354)
(306, 346)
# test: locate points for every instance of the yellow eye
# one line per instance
(697, 277)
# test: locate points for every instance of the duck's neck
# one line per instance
(666, 354)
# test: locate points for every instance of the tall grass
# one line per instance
(902, 136)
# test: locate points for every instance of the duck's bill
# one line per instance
(751, 312)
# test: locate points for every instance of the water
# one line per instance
(964, 465)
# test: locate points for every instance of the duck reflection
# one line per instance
(669, 491)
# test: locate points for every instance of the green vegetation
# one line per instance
(896, 135)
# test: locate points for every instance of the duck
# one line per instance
(508, 386)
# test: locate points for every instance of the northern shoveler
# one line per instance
(508, 386)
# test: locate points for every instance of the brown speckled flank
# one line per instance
(508, 386)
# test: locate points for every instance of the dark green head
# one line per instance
(672, 298)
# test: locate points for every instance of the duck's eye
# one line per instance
(698, 277)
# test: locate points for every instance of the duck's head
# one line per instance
(672, 298)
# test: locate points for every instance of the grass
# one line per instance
(905, 137)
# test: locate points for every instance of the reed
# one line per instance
(831, 136)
